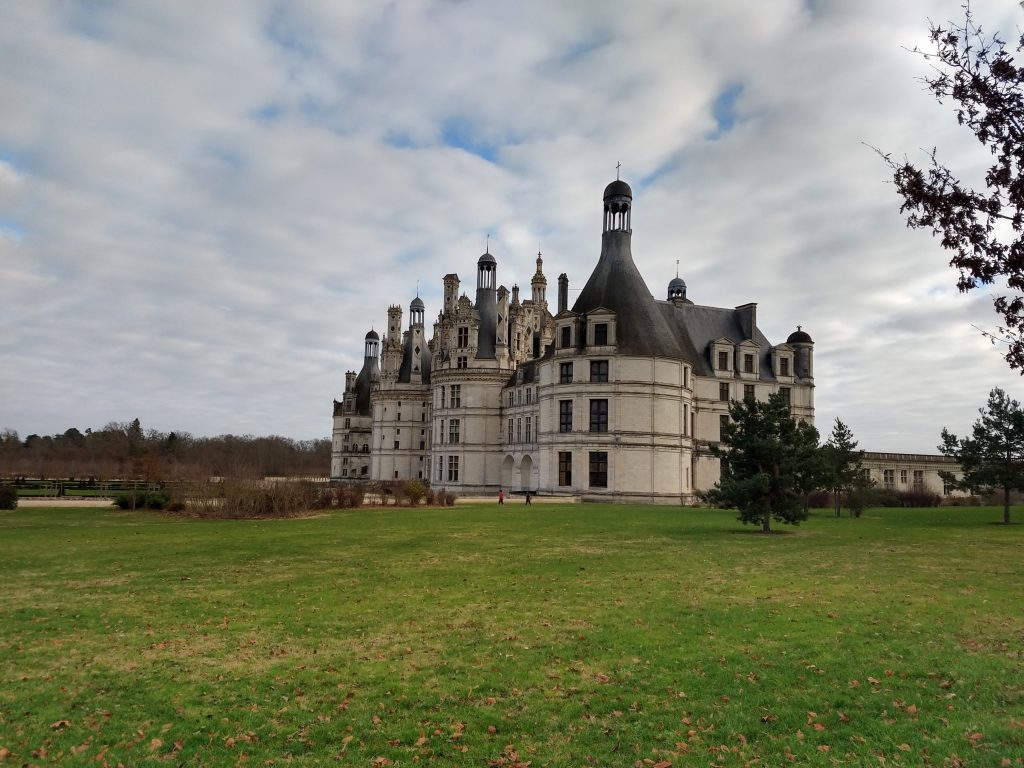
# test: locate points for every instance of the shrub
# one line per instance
(141, 499)
(920, 498)
(415, 491)
(8, 496)
(400, 490)
(445, 498)
(820, 500)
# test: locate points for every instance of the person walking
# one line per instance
(501, 496)
(528, 497)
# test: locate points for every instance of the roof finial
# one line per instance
(617, 166)
(488, 248)
(677, 267)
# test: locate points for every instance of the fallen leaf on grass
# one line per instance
(903, 747)
(60, 724)
(155, 744)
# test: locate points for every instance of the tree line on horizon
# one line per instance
(124, 450)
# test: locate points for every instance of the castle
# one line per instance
(617, 398)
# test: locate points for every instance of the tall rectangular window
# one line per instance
(786, 395)
(748, 392)
(565, 415)
(784, 366)
(723, 361)
(748, 363)
(889, 478)
(455, 400)
(529, 395)
(462, 362)
(723, 391)
(565, 373)
(442, 396)
(453, 432)
(453, 469)
(600, 334)
(565, 468)
(598, 415)
(723, 422)
(510, 431)
(566, 337)
(598, 469)
(903, 477)
(599, 370)
(918, 479)
(519, 430)
(441, 433)
(463, 336)
(529, 421)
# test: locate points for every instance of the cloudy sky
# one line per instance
(204, 207)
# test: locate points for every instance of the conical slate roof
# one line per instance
(616, 284)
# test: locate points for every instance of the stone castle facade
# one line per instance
(616, 398)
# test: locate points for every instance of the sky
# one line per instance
(204, 207)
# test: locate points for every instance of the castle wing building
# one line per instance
(618, 398)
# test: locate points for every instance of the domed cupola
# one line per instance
(618, 199)
(803, 346)
(676, 288)
(799, 336)
(416, 310)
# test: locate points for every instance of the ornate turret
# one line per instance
(539, 283)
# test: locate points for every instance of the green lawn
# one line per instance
(485, 636)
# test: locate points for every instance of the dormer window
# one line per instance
(600, 334)
(784, 366)
(723, 360)
(463, 337)
(565, 337)
(748, 363)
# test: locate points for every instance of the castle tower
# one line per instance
(539, 283)
(416, 347)
(451, 292)
(486, 305)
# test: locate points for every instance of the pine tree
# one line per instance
(993, 458)
(768, 460)
(842, 462)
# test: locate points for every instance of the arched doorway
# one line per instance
(526, 474)
(508, 473)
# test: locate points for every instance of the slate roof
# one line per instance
(641, 327)
(703, 325)
(405, 371)
(648, 327)
(364, 381)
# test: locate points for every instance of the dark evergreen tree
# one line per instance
(841, 463)
(981, 228)
(768, 460)
(993, 457)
